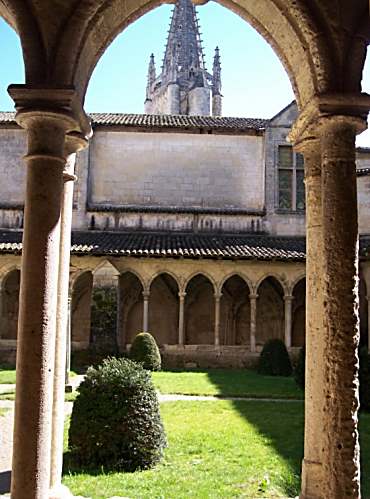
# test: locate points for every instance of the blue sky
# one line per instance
(254, 82)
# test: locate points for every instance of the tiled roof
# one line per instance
(180, 245)
(174, 245)
(165, 121)
(178, 121)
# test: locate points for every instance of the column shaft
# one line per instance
(146, 311)
(341, 324)
(312, 485)
(217, 319)
(288, 320)
(61, 339)
(181, 318)
(253, 325)
(38, 303)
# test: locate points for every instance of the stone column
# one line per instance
(46, 128)
(69, 341)
(73, 144)
(253, 326)
(288, 299)
(312, 476)
(146, 295)
(340, 301)
(181, 317)
(217, 318)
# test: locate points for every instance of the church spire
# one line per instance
(184, 85)
(183, 57)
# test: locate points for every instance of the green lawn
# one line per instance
(221, 449)
(7, 374)
(226, 382)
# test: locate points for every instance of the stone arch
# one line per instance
(81, 310)
(199, 310)
(270, 310)
(295, 281)
(130, 307)
(299, 313)
(130, 270)
(238, 274)
(235, 311)
(10, 304)
(363, 312)
(300, 42)
(168, 272)
(280, 279)
(164, 308)
(204, 274)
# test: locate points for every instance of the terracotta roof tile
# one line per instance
(174, 245)
(165, 121)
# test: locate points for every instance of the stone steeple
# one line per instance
(184, 85)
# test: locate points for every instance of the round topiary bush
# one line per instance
(115, 422)
(364, 379)
(274, 359)
(300, 368)
(144, 349)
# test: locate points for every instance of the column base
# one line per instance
(312, 486)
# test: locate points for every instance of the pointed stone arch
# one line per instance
(299, 313)
(235, 311)
(130, 306)
(164, 308)
(199, 310)
(270, 310)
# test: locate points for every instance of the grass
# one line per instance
(226, 382)
(220, 449)
(7, 374)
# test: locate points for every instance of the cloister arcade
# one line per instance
(322, 45)
(181, 311)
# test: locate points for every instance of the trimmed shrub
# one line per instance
(364, 378)
(300, 368)
(274, 359)
(144, 349)
(115, 422)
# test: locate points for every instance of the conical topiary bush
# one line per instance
(274, 359)
(144, 349)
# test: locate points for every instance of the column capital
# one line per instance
(74, 142)
(217, 296)
(351, 108)
(35, 104)
(182, 295)
(288, 298)
(146, 294)
(253, 296)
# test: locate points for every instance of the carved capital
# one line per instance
(353, 108)
(37, 105)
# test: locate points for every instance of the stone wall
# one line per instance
(179, 170)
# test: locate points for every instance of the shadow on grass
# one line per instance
(282, 423)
